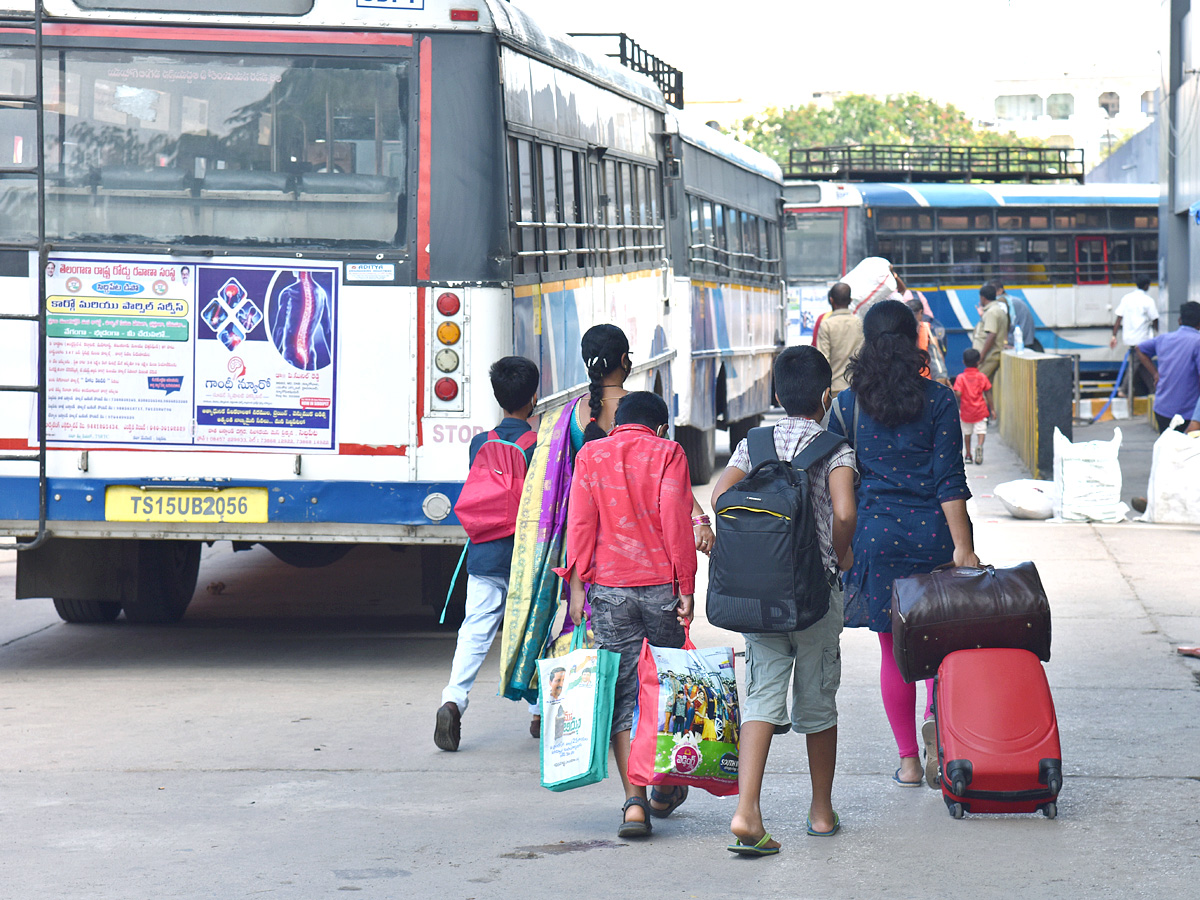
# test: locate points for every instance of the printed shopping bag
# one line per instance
(576, 692)
(685, 730)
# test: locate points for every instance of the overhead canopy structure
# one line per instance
(927, 163)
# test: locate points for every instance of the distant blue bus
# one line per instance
(1069, 250)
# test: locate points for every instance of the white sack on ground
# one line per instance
(1087, 480)
(1027, 498)
(1174, 491)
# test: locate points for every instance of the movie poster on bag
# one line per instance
(568, 692)
(266, 357)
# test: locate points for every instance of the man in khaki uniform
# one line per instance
(991, 334)
(840, 335)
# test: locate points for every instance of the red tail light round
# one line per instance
(446, 388)
(448, 304)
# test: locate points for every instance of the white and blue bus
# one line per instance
(1070, 251)
(256, 259)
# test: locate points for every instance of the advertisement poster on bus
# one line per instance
(147, 352)
(806, 303)
(119, 341)
(265, 357)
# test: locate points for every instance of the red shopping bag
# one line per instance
(685, 729)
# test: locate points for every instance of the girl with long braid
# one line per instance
(535, 590)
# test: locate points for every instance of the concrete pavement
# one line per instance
(292, 755)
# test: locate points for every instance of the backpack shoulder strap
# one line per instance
(527, 440)
(852, 432)
(818, 449)
(760, 442)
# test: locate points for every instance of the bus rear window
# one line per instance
(207, 149)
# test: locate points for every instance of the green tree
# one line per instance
(865, 119)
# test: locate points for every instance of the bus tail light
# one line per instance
(449, 330)
(464, 15)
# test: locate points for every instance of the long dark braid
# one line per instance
(595, 403)
(603, 349)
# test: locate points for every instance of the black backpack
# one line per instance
(767, 573)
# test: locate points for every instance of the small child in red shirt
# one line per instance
(974, 393)
(629, 535)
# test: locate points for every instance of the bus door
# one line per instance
(1092, 293)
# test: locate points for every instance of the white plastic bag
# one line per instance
(1174, 492)
(1027, 498)
(1087, 480)
(869, 281)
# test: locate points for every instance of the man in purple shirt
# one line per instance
(1177, 375)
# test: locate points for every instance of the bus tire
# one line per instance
(167, 573)
(739, 430)
(700, 445)
(86, 612)
(307, 556)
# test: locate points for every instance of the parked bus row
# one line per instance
(255, 266)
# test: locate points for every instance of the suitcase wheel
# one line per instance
(1050, 810)
(956, 810)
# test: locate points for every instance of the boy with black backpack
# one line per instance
(487, 510)
(809, 659)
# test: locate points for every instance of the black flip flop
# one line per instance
(673, 800)
(635, 829)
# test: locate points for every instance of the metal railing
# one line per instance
(634, 56)
(1024, 273)
(595, 250)
(36, 455)
(900, 162)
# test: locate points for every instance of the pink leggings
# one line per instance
(899, 699)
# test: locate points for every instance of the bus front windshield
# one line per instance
(813, 243)
(209, 149)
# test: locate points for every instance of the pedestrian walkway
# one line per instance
(1129, 712)
(324, 772)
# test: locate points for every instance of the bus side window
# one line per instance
(524, 243)
(550, 235)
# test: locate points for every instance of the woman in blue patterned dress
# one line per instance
(912, 502)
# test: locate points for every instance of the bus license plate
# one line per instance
(131, 504)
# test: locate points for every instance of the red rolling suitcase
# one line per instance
(997, 735)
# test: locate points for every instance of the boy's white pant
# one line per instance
(485, 612)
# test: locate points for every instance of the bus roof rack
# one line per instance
(634, 56)
(916, 163)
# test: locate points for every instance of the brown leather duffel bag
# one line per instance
(955, 608)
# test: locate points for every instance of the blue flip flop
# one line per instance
(908, 784)
(837, 823)
(757, 849)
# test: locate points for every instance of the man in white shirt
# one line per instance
(1137, 320)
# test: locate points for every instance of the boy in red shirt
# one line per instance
(974, 393)
(629, 535)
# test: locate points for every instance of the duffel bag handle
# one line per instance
(991, 570)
